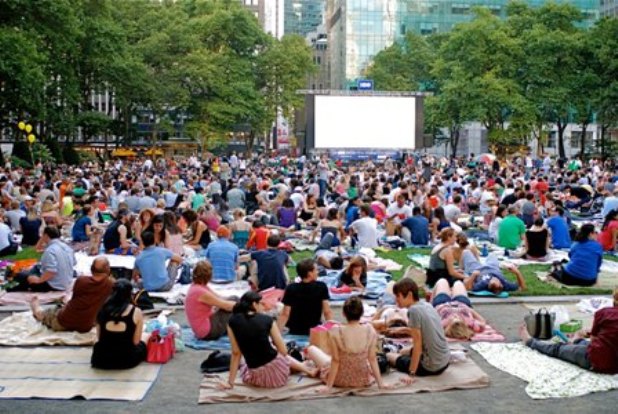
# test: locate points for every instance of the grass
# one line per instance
(535, 287)
(26, 253)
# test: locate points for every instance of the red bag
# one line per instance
(160, 349)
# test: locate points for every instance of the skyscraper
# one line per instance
(303, 16)
(359, 29)
(609, 8)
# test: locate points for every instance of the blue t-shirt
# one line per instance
(151, 265)
(270, 264)
(351, 215)
(586, 259)
(419, 229)
(223, 256)
(560, 237)
(79, 229)
(482, 282)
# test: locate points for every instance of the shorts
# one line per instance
(50, 319)
(402, 364)
(443, 298)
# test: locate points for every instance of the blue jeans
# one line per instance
(575, 353)
(322, 184)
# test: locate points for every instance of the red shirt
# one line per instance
(603, 349)
(258, 238)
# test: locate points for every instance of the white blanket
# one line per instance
(547, 377)
(84, 262)
(21, 329)
(178, 294)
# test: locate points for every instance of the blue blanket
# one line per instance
(376, 285)
(223, 343)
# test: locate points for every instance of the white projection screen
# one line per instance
(380, 122)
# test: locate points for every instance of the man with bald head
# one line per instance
(89, 294)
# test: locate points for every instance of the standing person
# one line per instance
(599, 353)
(430, 354)
(323, 177)
(252, 335)
(586, 257)
(365, 228)
(79, 314)
(207, 313)
(119, 331)
(55, 269)
(512, 230)
(305, 302)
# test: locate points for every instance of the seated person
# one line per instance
(55, 269)
(325, 257)
(330, 225)
(119, 331)
(89, 293)
(557, 223)
(151, 271)
(430, 354)
(251, 333)
(355, 274)
(415, 229)
(489, 276)
(116, 238)
(608, 237)
(365, 228)
(198, 233)
(304, 303)
(586, 258)
(599, 353)
(223, 255)
(459, 320)
(442, 261)
(7, 245)
(207, 313)
(511, 230)
(286, 214)
(258, 238)
(271, 265)
(537, 240)
(353, 362)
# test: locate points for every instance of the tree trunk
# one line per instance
(249, 144)
(454, 141)
(561, 127)
(582, 141)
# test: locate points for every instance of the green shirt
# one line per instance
(510, 231)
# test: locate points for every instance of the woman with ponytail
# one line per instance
(250, 333)
(586, 257)
(119, 331)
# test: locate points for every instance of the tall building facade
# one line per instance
(270, 15)
(303, 17)
(609, 8)
(359, 29)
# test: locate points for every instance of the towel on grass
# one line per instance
(223, 343)
(21, 329)
(460, 375)
(546, 377)
(65, 373)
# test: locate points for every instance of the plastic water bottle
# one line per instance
(484, 252)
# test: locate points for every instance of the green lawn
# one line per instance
(534, 286)
(27, 253)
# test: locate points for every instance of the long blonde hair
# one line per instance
(458, 329)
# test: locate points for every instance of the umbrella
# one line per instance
(486, 158)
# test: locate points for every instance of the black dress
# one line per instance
(537, 243)
(115, 350)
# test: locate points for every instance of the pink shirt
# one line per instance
(198, 313)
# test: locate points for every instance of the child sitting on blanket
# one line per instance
(250, 334)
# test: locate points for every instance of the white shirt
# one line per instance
(5, 233)
(298, 199)
(366, 229)
(402, 212)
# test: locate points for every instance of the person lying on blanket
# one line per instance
(459, 320)
(251, 333)
(598, 353)
(489, 276)
(389, 317)
(89, 293)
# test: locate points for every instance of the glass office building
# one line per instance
(303, 16)
(609, 8)
(359, 29)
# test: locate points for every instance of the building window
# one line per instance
(576, 137)
(460, 8)
(551, 139)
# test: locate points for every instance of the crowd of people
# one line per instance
(235, 214)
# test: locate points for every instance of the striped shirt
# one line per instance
(223, 255)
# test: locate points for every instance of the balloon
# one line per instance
(31, 138)
(21, 125)
(28, 128)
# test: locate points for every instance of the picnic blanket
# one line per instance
(178, 293)
(223, 343)
(376, 285)
(21, 329)
(605, 280)
(23, 298)
(460, 375)
(83, 262)
(65, 373)
(546, 377)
